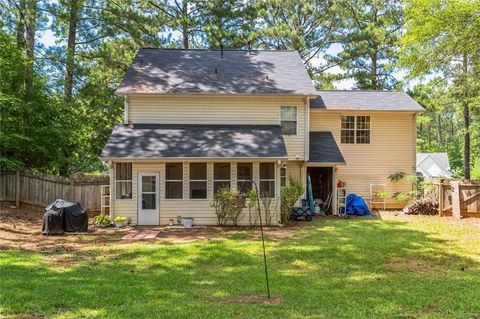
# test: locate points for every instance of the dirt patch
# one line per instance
(398, 264)
(21, 229)
(252, 299)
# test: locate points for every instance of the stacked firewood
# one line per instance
(422, 206)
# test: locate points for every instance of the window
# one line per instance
(221, 176)
(288, 120)
(355, 130)
(123, 180)
(244, 177)
(283, 176)
(198, 180)
(174, 180)
(267, 180)
(363, 130)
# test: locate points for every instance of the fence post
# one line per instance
(456, 213)
(440, 198)
(17, 189)
(72, 190)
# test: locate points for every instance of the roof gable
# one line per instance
(365, 101)
(171, 71)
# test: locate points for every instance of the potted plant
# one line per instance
(120, 221)
(102, 221)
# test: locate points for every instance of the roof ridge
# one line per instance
(206, 49)
(366, 91)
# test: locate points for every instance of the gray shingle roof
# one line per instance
(168, 71)
(178, 141)
(324, 149)
(365, 100)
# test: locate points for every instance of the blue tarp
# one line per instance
(355, 205)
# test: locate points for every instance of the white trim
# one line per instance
(125, 109)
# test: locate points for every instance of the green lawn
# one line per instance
(423, 267)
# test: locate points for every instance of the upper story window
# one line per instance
(288, 120)
(174, 180)
(198, 180)
(123, 180)
(355, 130)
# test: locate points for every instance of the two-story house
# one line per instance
(199, 120)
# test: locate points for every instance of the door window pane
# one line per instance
(148, 184)
(149, 201)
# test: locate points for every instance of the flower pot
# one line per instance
(119, 224)
(187, 222)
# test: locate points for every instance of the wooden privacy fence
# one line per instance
(459, 198)
(42, 189)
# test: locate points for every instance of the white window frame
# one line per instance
(174, 180)
(296, 119)
(197, 180)
(222, 180)
(355, 129)
(266, 180)
(284, 168)
(124, 181)
(241, 181)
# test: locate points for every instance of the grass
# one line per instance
(359, 268)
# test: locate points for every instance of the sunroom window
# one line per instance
(244, 177)
(174, 180)
(123, 180)
(267, 180)
(198, 180)
(221, 176)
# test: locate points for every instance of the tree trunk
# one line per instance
(21, 25)
(439, 132)
(466, 120)
(71, 44)
(375, 85)
(31, 28)
(185, 22)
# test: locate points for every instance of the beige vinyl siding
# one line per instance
(391, 150)
(220, 110)
(200, 209)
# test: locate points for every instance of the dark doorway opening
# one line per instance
(322, 182)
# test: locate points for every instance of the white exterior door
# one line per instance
(148, 199)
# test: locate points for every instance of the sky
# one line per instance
(47, 38)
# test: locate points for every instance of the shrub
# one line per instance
(224, 202)
(121, 219)
(102, 220)
(289, 196)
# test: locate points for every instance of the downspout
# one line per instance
(125, 109)
(414, 146)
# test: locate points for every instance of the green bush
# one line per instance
(224, 202)
(289, 196)
(102, 220)
(121, 219)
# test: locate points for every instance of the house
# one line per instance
(199, 120)
(433, 165)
